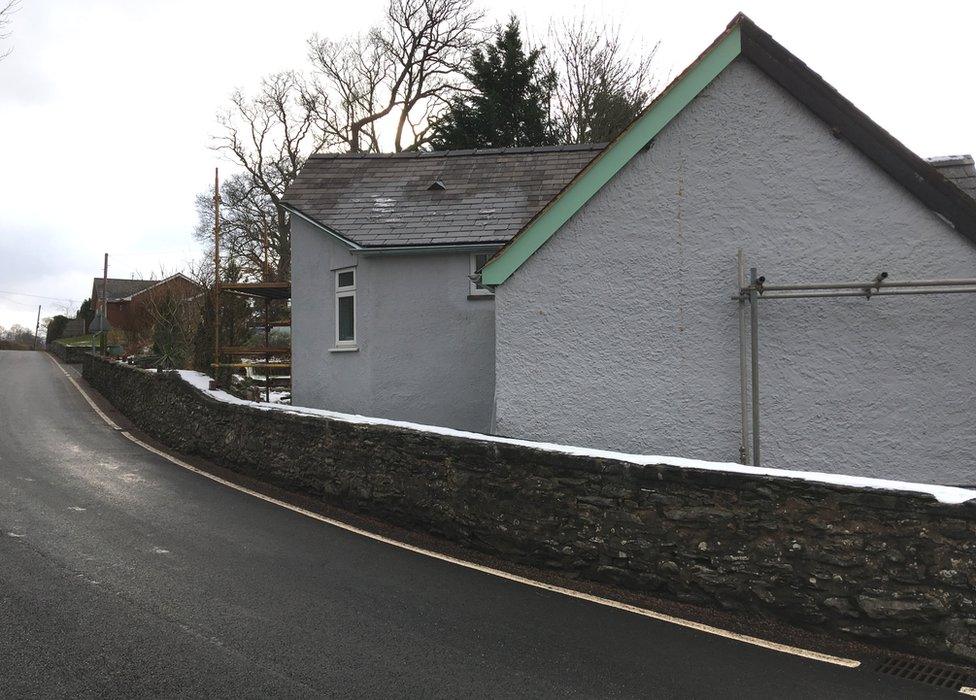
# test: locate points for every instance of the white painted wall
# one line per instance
(619, 332)
(426, 352)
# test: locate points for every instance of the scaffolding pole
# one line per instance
(757, 290)
(216, 261)
(754, 358)
(876, 293)
(881, 280)
(743, 380)
(267, 319)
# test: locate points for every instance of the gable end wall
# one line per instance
(619, 332)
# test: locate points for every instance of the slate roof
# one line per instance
(959, 170)
(378, 200)
(120, 288)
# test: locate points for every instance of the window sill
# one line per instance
(480, 297)
(351, 348)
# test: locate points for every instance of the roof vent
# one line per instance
(437, 185)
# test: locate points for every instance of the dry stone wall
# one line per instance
(70, 354)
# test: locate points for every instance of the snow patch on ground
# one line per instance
(281, 397)
(944, 494)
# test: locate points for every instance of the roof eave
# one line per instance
(318, 224)
(394, 249)
(153, 286)
(430, 248)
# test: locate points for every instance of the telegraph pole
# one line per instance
(103, 341)
(37, 326)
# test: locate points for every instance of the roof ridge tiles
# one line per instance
(562, 148)
(961, 159)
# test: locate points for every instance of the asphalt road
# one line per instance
(123, 574)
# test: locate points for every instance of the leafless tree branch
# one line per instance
(269, 134)
(601, 82)
(413, 61)
(7, 11)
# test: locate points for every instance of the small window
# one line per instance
(345, 308)
(478, 261)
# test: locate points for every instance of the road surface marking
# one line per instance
(100, 412)
(606, 602)
(966, 690)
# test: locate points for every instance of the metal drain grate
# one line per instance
(931, 674)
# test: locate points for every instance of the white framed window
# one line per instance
(478, 261)
(345, 308)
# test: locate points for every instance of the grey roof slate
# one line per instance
(386, 199)
(959, 170)
(120, 288)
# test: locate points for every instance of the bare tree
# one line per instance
(601, 83)
(172, 320)
(270, 134)
(430, 41)
(16, 337)
(405, 70)
(249, 228)
(351, 75)
(7, 10)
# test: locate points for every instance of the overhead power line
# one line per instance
(38, 296)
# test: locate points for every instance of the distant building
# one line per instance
(127, 297)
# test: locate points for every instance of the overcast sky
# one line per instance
(107, 106)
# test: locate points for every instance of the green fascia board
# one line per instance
(665, 108)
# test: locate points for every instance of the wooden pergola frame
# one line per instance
(266, 290)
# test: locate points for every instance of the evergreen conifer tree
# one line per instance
(509, 102)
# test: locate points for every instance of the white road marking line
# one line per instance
(606, 602)
(160, 550)
(77, 508)
(101, 414)
(966, 690)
